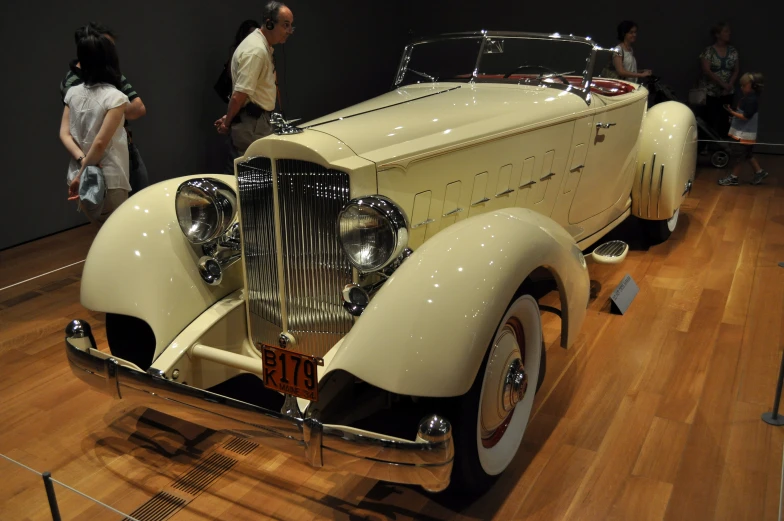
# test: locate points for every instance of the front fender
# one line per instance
(666, 162)
(427, 329)
(140, 264)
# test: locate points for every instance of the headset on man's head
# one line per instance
(271, 11)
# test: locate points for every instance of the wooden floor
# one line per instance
(652, 415)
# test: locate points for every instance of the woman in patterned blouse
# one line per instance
(719, 72)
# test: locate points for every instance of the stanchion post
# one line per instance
(50, 496)
(773, 417)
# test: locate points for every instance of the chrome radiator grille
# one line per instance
(314, 269)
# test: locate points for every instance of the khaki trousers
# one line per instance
(247, 130)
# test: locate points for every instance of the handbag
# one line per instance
(223, 85)
(137, 177)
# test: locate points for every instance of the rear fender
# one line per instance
(666, 162)
(141, 265)
(427, 329)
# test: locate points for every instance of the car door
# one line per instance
(610, 152)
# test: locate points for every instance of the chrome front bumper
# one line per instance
(426, 461)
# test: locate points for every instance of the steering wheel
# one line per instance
(555, 74)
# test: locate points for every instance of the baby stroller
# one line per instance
(711, 143)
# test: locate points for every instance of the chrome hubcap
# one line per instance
(515, 385)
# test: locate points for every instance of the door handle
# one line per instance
(604, 125)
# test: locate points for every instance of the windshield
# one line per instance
(504, 59)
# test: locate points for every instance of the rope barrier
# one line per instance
(47, 476)
(42, 275)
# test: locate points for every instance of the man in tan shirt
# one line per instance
(254, 80)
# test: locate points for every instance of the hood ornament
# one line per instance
(281, 126)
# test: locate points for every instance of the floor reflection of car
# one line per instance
(379, 262)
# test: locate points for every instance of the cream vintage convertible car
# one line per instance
(358, 293)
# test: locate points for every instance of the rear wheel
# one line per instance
(491, 418)
(660, 231)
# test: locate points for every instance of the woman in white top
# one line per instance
(92, 125)
(626, 64)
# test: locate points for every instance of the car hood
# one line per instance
(416, 119)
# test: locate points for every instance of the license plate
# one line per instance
(291, 373)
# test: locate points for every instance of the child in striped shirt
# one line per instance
(745, 121)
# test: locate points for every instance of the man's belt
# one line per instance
(251, 109)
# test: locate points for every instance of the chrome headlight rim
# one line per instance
(220, 195)
(395, 217)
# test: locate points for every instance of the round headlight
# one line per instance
(373, 232)
(205, 209)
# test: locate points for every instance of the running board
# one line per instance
(613, 252)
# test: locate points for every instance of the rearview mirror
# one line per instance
(494, 47)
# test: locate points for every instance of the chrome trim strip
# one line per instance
(480, 201)
(382, 108)
(423, 223)
(658, 199)
(507, 191)
(259, 249)
(650, 184)
(509, 34)
(426, 461)
(642, 178)
(452, 212)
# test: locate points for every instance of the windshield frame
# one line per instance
(488, 38)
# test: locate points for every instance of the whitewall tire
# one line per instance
(491, 419)
(672, 222)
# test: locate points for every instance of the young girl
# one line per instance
(91, 128)
(744, 127)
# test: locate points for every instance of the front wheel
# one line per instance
(660, 231)
(490, 420)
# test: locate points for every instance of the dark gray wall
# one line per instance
(172, 51)
(342, 52)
